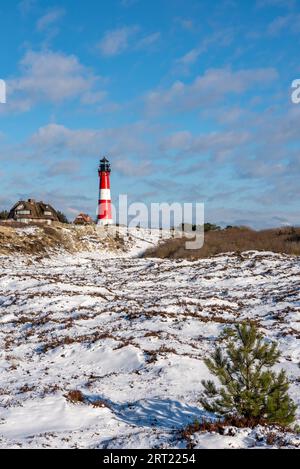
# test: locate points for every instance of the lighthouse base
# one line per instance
(104, 222)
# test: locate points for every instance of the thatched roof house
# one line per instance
(83, 219)
(30, 211)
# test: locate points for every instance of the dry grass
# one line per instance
(219, 426)
(237, 240)
(274, 435)
(87, 338)
(57, 236)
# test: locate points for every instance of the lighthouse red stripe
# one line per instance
(104, 181)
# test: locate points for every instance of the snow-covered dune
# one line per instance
(130, 333)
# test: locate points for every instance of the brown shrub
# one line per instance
(75, 396)
(271, 438)
(153, 334)
(26, 388)
(164, 349)
(151, 356)
(236, 240)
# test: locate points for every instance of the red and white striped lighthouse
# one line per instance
(104, 207)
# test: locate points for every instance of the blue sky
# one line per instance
(190, 100)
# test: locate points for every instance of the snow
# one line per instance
(30, 230)
(52, 413)
(132, 332)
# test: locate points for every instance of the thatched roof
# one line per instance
(83, 218)
(32, 210)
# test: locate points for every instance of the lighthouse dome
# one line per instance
(104, 165)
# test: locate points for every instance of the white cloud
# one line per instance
(191, 56)
(116, 41)
(128, 37)
(50, 18)
(131, 168)
(178, 141)
(125, 145)
(219, 145)
(206, 89)
(63, 168)
(148, 40)
(221, 38)
(290, 22)
(255, 218)
(93, 97)
(51, 77)
(118, 142)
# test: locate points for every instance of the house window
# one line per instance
(48, 214)
(23, 212)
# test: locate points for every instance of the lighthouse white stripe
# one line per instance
(105, 221)
(105, 194)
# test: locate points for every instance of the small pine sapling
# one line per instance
(250, 389)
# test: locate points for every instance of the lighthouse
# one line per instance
(104, 202)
